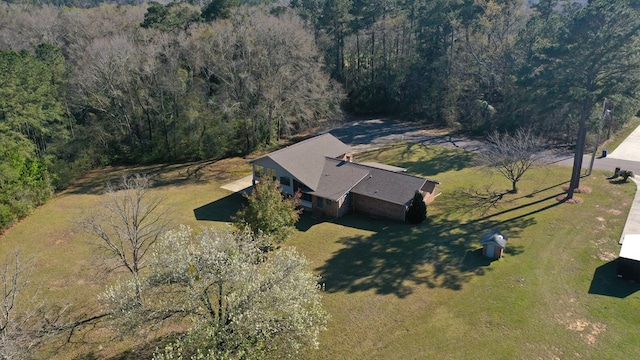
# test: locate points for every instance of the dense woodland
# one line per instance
(85, 84)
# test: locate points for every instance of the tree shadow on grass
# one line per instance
(220, 210)
(461, 202)
(475, 201)
(307, 221)
(95, 182)
(145, 350)
(437, 160)
(606, 282)
(397, 257)
(162, 175)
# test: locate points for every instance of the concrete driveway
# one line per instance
(241, 185)
(629, 149)
(627, 156)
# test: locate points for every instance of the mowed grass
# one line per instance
(425, 292)
(396, 291)
(67, 266)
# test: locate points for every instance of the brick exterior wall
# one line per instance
(335, 209)
(377, 207)
(343, 205)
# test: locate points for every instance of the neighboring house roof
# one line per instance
(630, 247)
(305, 160)
(495, 237)
(390, 186)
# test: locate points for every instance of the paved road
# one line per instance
(625, 156)
(600, 163)
(368, 134)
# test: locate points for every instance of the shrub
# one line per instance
(626, 174)
(417, 211)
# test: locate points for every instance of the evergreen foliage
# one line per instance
(219, 9)
(30, 115)
(417, 212)
(173, 16)
(268, 212)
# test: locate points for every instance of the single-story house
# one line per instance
(322, 168)
(628, 266)
(493, 244)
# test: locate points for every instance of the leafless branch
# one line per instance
(25, 322)
(512, 155)
(129, 223)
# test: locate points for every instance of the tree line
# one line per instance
(129, 84)
(138, 84)
(482, 65)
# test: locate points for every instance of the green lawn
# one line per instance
(396, 291)
(425, 292)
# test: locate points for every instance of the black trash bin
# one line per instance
(604, 153)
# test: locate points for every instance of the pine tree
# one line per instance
(417, 212)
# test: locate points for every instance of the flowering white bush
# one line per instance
(243, 303)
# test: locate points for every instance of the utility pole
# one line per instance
(579, 154)
(605, 114)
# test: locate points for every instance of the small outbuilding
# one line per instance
(493, 244)
(629, 259)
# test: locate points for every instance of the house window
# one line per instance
(328, 201)
(319, 202)
(306, 197)
(271, 173)
(285, 180)
(257, 171)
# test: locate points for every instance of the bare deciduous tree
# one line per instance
(25, 321)
(266, 71)
(128, 225)
(512, 155)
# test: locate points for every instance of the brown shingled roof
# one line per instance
(390, 186)
(338, 178)
(314, 163)
(305, 160)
